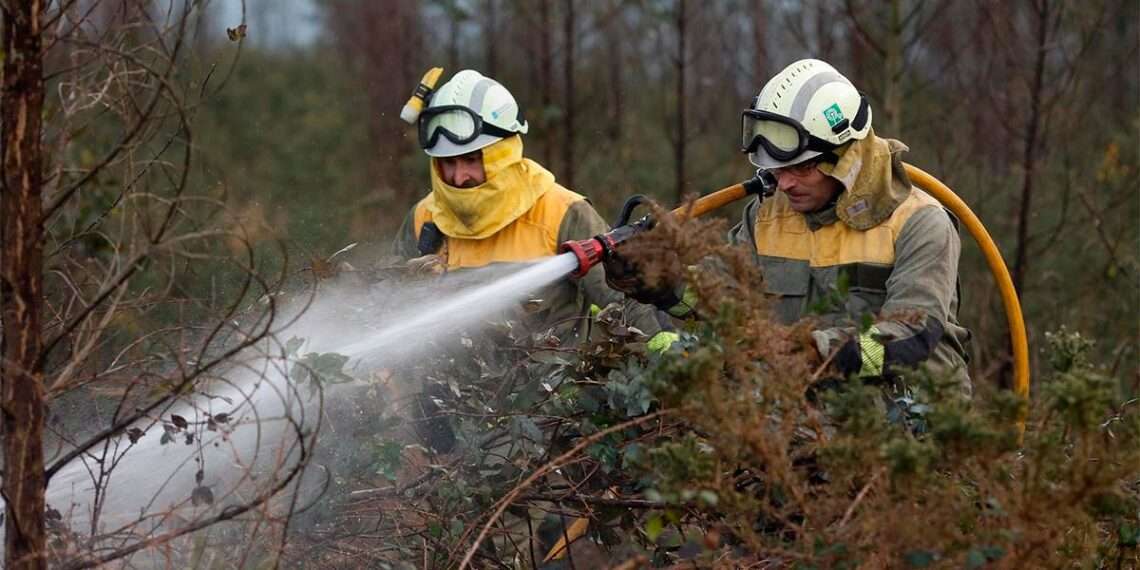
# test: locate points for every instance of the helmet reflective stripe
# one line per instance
(805, 110)
(809, 89)
(474, 111)
(479, 92)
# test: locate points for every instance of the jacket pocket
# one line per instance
(867, 287)
(788, 281)
(786, 277)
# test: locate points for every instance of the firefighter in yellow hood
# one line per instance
(847, 224)
(489, 204)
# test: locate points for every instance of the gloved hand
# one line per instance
(862, 355)
(430, 264)
(661, 341)
(662, 288)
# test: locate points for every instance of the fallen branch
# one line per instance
(859, 498)
(557, 462)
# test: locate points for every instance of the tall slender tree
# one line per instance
(22, 397)
(570, 94)
(681, 136)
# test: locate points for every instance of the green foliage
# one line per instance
(1068, 350)
(318, 370)
(765, 449)
(1078, 393)
(388, 459)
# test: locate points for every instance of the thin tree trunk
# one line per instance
(682, 131)
(378, 40)
(1029, 159)
(21, 287)
(546, 81)
(491, 37)
(568, 77)
(760, 38)
(617, 73)
(892, 91)
(453, 24)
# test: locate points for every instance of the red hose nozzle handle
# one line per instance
(588, 252)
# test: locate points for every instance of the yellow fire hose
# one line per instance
(931, 185)
(1019, 341)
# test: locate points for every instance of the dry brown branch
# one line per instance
(503, 503)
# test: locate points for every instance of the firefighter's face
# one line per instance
(808, 189)
(463, 171)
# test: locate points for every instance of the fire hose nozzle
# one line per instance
(588, 253)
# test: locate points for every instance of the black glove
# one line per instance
(663, 288)
(849, 358)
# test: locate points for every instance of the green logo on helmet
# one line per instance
(833, 115)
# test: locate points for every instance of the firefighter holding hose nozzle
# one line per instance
(489, 204)
(844, 212)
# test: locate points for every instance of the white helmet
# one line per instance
(468, 113)
(807, 109)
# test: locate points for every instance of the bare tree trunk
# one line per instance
(617, 71)
(568, 77)
(546, 80)
(21, 287)
(1029, 159)
(682, 131)
(491, 37)
(380, 39)
(892, 90)
(760, 38)
(453, 24)
(824, 33)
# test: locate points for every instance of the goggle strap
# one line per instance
(819, 145)
(860, 119)
(492, 130)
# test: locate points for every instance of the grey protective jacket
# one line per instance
(885, 250)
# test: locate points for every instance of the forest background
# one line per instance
(203, 160)
(1028, 110)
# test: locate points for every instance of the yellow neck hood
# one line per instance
(873, 178)
(513, 185)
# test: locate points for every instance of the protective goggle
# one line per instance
(456, 123)
(782, 138)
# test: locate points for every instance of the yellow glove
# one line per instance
(662, 341)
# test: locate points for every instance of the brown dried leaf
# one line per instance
(202, 496)
(237, 33)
